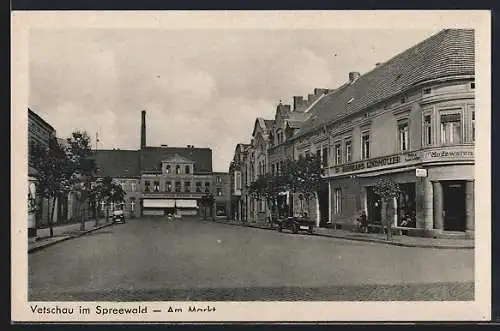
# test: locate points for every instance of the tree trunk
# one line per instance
(80, 215)
(386, 219)
(96, 214)
(51, 216)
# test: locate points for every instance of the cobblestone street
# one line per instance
(153, 259)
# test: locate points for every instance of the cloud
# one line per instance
(203, 88)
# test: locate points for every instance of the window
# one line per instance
(325, 157)
(472, 85)
(365, 146)
(187, 187)
(168, 186)
(451, 129)
(177, 186)
(156, 186)
(132, 186)
(427, 130)
(348, 150)
(318, 155)
(132, 204)
(473, 123)
(427, 90)
(219, 192)
(272, 169)
(403, 99)
(178, 169)
(337, 201)
(219, 179)
(237, 178)
(338, 153)
(281, 167)
(187, 169)
(146, 186)
(207, 187)
(403, 136)
(198, 187)
(167, 169)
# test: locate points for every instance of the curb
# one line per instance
(379, 241)
(51, 243)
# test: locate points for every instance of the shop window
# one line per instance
(338, 153)
(365, 146)
(403, 130)
(168, 186)
(156, 186)
(451, 129)
(406, 209)
(187, 187)
(337, 201)
(427, 130)
(198, 187)
(147, 185)
(348, 150)
(177, 186)
(187, 169)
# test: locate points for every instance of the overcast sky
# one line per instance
(199, 87)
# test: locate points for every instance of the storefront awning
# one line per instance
(158, 203)
(186, 204)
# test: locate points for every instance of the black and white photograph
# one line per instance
(251, 166)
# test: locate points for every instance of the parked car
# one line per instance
(118, 215)
(295, 224)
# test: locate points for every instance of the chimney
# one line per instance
(297, 102)
(353, 76)
(143, 129)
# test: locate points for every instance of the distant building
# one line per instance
(222, 194)
(163, 180)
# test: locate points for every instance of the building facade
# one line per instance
(410, 119)
(237, 174)
(163, 180)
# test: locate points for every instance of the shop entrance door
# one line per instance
(374, 206)
(454, 205)
(323, 204)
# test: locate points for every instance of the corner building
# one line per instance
(411, 119)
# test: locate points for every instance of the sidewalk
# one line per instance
(397, 240)
(62, 233)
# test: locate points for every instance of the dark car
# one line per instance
(296, 224)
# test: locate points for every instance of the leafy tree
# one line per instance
(304, 176)
(54, 173)
(387, 190)
(104, 189)
(268, 187)
(81, 155)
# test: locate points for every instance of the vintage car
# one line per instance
(295, 224)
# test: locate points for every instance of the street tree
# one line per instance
(303, 176)
(268, 187)
(54, 173)
(387, 189)
(81, 155)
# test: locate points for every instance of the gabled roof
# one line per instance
(151, 157)
(263, 123)
(117, 163)
(447, 53)
(176, 158)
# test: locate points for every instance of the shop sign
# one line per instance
(443, 154)
(412, 156)
(421, 172)
(379, 162)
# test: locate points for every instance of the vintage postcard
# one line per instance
(251, 166)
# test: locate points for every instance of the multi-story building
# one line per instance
(411, 119)
(162, 180)
(222, 194)
(237, 185)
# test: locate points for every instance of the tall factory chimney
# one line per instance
(143, 129)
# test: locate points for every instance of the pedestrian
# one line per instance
(364, 222)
